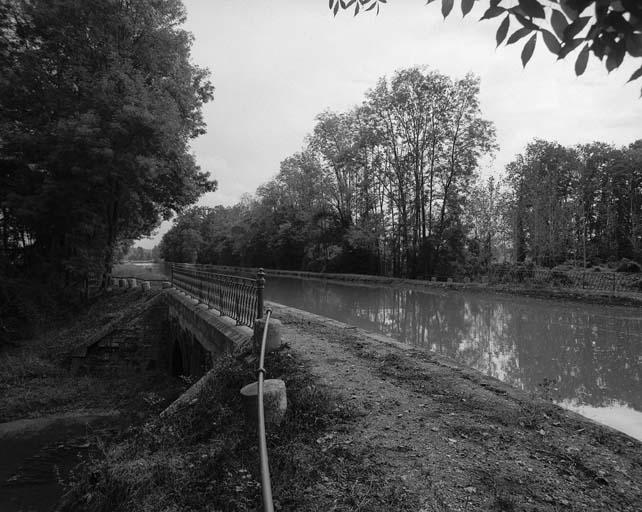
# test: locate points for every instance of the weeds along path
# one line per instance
(458, 439)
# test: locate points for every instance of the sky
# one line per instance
(277, 64)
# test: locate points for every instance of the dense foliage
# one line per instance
(391, 187)
(98, 102)
(377, 189)
(142, 254)
(609, 29)
(578, 205)
(582, 203)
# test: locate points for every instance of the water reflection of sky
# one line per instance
(585, 357)
(617, 415)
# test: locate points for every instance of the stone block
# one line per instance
(122, 283)
(191, 395)
(146, 286)
(132, 283)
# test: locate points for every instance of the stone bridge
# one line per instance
(170, 330)
(196, 335)
(197, 317)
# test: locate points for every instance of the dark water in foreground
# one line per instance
(585, 357)
(38, 455)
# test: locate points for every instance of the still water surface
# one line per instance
(585, 357)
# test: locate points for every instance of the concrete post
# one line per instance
(131, 282)
(275, 401)
(273, 339)
(146, 286)
(122, 283)
(260, 287)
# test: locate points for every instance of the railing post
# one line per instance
(237, 304)
(221, 307)
(260, 286)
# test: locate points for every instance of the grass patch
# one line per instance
(205, 457)
(29, 308)
(35, 376)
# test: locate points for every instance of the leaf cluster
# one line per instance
(608, 29)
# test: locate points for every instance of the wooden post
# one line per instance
(260, 286)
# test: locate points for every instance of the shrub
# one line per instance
(627, 265)
(26, 307)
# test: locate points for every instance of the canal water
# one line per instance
(585, 357)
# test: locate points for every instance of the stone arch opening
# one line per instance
(177, 360)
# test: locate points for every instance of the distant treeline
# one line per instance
(582, 203)
(390, 187)
(377, 189)
(142, 254)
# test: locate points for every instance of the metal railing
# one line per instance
(605, 281)
(266, 485)
(240, 298)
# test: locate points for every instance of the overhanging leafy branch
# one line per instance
(609, 29)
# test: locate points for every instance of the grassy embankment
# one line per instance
(43, 330)
(205, 456)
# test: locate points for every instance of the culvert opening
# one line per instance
(177, 361)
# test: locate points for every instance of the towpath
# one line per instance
(461, 440)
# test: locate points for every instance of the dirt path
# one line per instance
(459, 439)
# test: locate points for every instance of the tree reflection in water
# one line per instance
(576, 354)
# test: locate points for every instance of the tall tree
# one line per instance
(490, 234)
(432, 134)
(98, 102)
(543, 178)
(582, 203)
